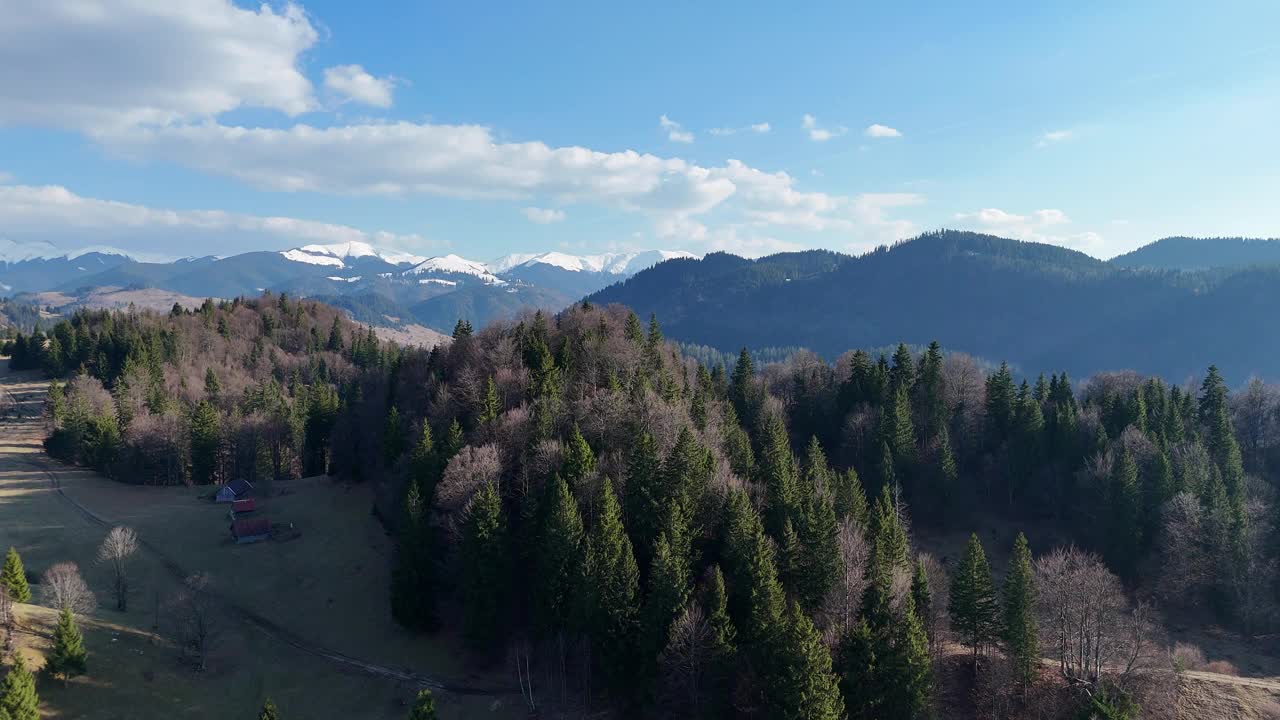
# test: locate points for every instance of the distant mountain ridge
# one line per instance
(376, 285)
(1188, 253)
(1036, 305)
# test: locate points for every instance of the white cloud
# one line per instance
(881, 131)
(352, 84)
(1054, 136)
(757, 128)
(1040, 226)
(76, 64)
(818, 133)
(675, 133)
(543, 216)
(30, 213)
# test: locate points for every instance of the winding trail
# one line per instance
(25, 421)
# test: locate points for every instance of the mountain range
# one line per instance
(375, 285)
(1194, 301)
(1166, 310)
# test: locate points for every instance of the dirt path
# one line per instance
(27, 395)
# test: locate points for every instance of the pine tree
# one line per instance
(668, 594)
(392, 436)
(757, 599)
(484, 569)
(1000, 404)
(14, 577)
(921, 593)
(579, 460)
(413, 586)
(930, 403)
(206, 439)
(269, 711)
(559, 559)
(454, 441)
(858, 666)
(1021, 635)
(790, 557)
(778, 470)
(974, 614)
(905, 674)
(724, 636)
(424, 707)
(646, 497)
(18, 695)
(849, 499)
(903, 374)
(612, 590)
(819, 537)
(68, 656)
(802, 685)
(898, 432)
(491, 406)
(1124, 510)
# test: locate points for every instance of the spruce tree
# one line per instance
(1124, 527)
(820, 539)
(392, 436)
(14, 577)
(667, 596)
(453, 441)
(424, 707)
(491, 406)
(921, 593)
(973, 609)
(802, 685)
(903, 374)
(18, 692)
(612, 591)
(905, 674)
(724, 636)
(646, 497)
(559, 559)
(1021, 635)
(269, 711)
(484, 569)
(790, 558)
(757, 598)
(579, 460)
(778, 470)
(413, 586)
(206, 439)
(424, 464)
(858, 667)
(68, 657)
(850, 502)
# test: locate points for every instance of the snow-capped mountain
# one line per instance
(449, 265)
(578, 275)
(348, 253)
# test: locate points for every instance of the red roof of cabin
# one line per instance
(251, 526)
(246, 505)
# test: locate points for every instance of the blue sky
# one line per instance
(484, 129)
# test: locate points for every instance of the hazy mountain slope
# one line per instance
(1035, 305)
(1187, 253)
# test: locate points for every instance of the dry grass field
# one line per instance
(328, 587)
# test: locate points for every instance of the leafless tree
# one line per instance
(7, 620)
(840, 608)
(684, 662)
(116, 550)
(1186, 569)
(1086, 622)
(467, 472)
(63, 588)
(521, 655)
(1256, 411)
(195, 626)
(937, 620)
(964, 388)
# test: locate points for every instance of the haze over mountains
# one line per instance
(1037, 305)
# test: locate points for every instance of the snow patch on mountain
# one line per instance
(299, 255)
(455, 265)
(355, 250)
(628, 263)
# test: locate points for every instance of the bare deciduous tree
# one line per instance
(116, 550)
(684, 662)
(1086, 622)
(195, 626)
(62, 587)
(6, 620)
(840, 608)
(937, 621)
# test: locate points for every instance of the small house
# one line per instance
(234, 490)
(250, 530)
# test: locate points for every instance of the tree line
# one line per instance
(624, 526)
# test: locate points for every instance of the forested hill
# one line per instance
(1036, 305)
(1188, 253)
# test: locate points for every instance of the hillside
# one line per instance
(1188, 253)
(1033, 304)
